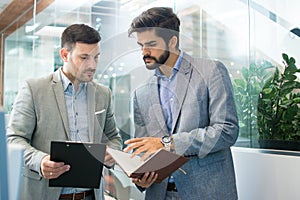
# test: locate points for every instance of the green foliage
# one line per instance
(278, 108)
(246, 91)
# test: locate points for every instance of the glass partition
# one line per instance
(248, 36)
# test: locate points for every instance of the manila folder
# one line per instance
(163, 162)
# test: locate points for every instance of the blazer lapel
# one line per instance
(155, 100)
(60, 100)
(91, 109)
(183, 79)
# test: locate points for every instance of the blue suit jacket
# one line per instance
(205, 125)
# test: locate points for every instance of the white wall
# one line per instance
(265, 175)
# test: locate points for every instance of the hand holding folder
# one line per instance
(163, 162)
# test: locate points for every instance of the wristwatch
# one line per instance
(166, 141)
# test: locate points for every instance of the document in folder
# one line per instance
(162, 162)
(86, 161)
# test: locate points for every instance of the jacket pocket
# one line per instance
(31, 174)
(100, 117)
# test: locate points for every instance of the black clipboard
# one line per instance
(86, 161)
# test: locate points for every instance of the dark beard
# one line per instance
(158, 62)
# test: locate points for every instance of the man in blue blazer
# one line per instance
(187, 107)
(64, 105)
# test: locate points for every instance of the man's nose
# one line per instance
(145, 51)
(92, 63)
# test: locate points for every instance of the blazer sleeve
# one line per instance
(220, 129)
(21, 127)
(111, 133)
(139, 124)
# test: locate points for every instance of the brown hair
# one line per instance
(79, 33)
(161, 19)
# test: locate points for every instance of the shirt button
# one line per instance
(171, 99)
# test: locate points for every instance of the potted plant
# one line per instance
(246, 90)
(278, 109)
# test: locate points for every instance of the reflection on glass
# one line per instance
(247, 36)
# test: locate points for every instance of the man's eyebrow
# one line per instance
(86, 54)
(147, 43)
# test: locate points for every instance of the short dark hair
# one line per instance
(79, 33)
(162, 20)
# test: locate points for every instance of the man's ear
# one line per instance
(64, 54)
(173, 42)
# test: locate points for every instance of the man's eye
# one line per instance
(152, 45)
(148, 46)
(84, 57)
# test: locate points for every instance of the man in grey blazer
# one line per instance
(61, 107)
(187, 107)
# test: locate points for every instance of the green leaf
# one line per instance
(245, 73)
(276, 75)
(290, 77)
(297, 100)
(297, 85)
(239, 82)
(267, 90)
(291, 69)
(286, 103)
(288, 85)
(292, 61)
(285, 57)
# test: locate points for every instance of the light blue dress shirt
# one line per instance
(77, 115)
(167, 94)
(167, 89)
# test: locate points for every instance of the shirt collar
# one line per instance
(175, 68)
(66, 82)
(178, 62)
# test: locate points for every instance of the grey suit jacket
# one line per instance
(205, 125)
(39, 116)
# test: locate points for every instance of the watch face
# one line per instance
(166, 139)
